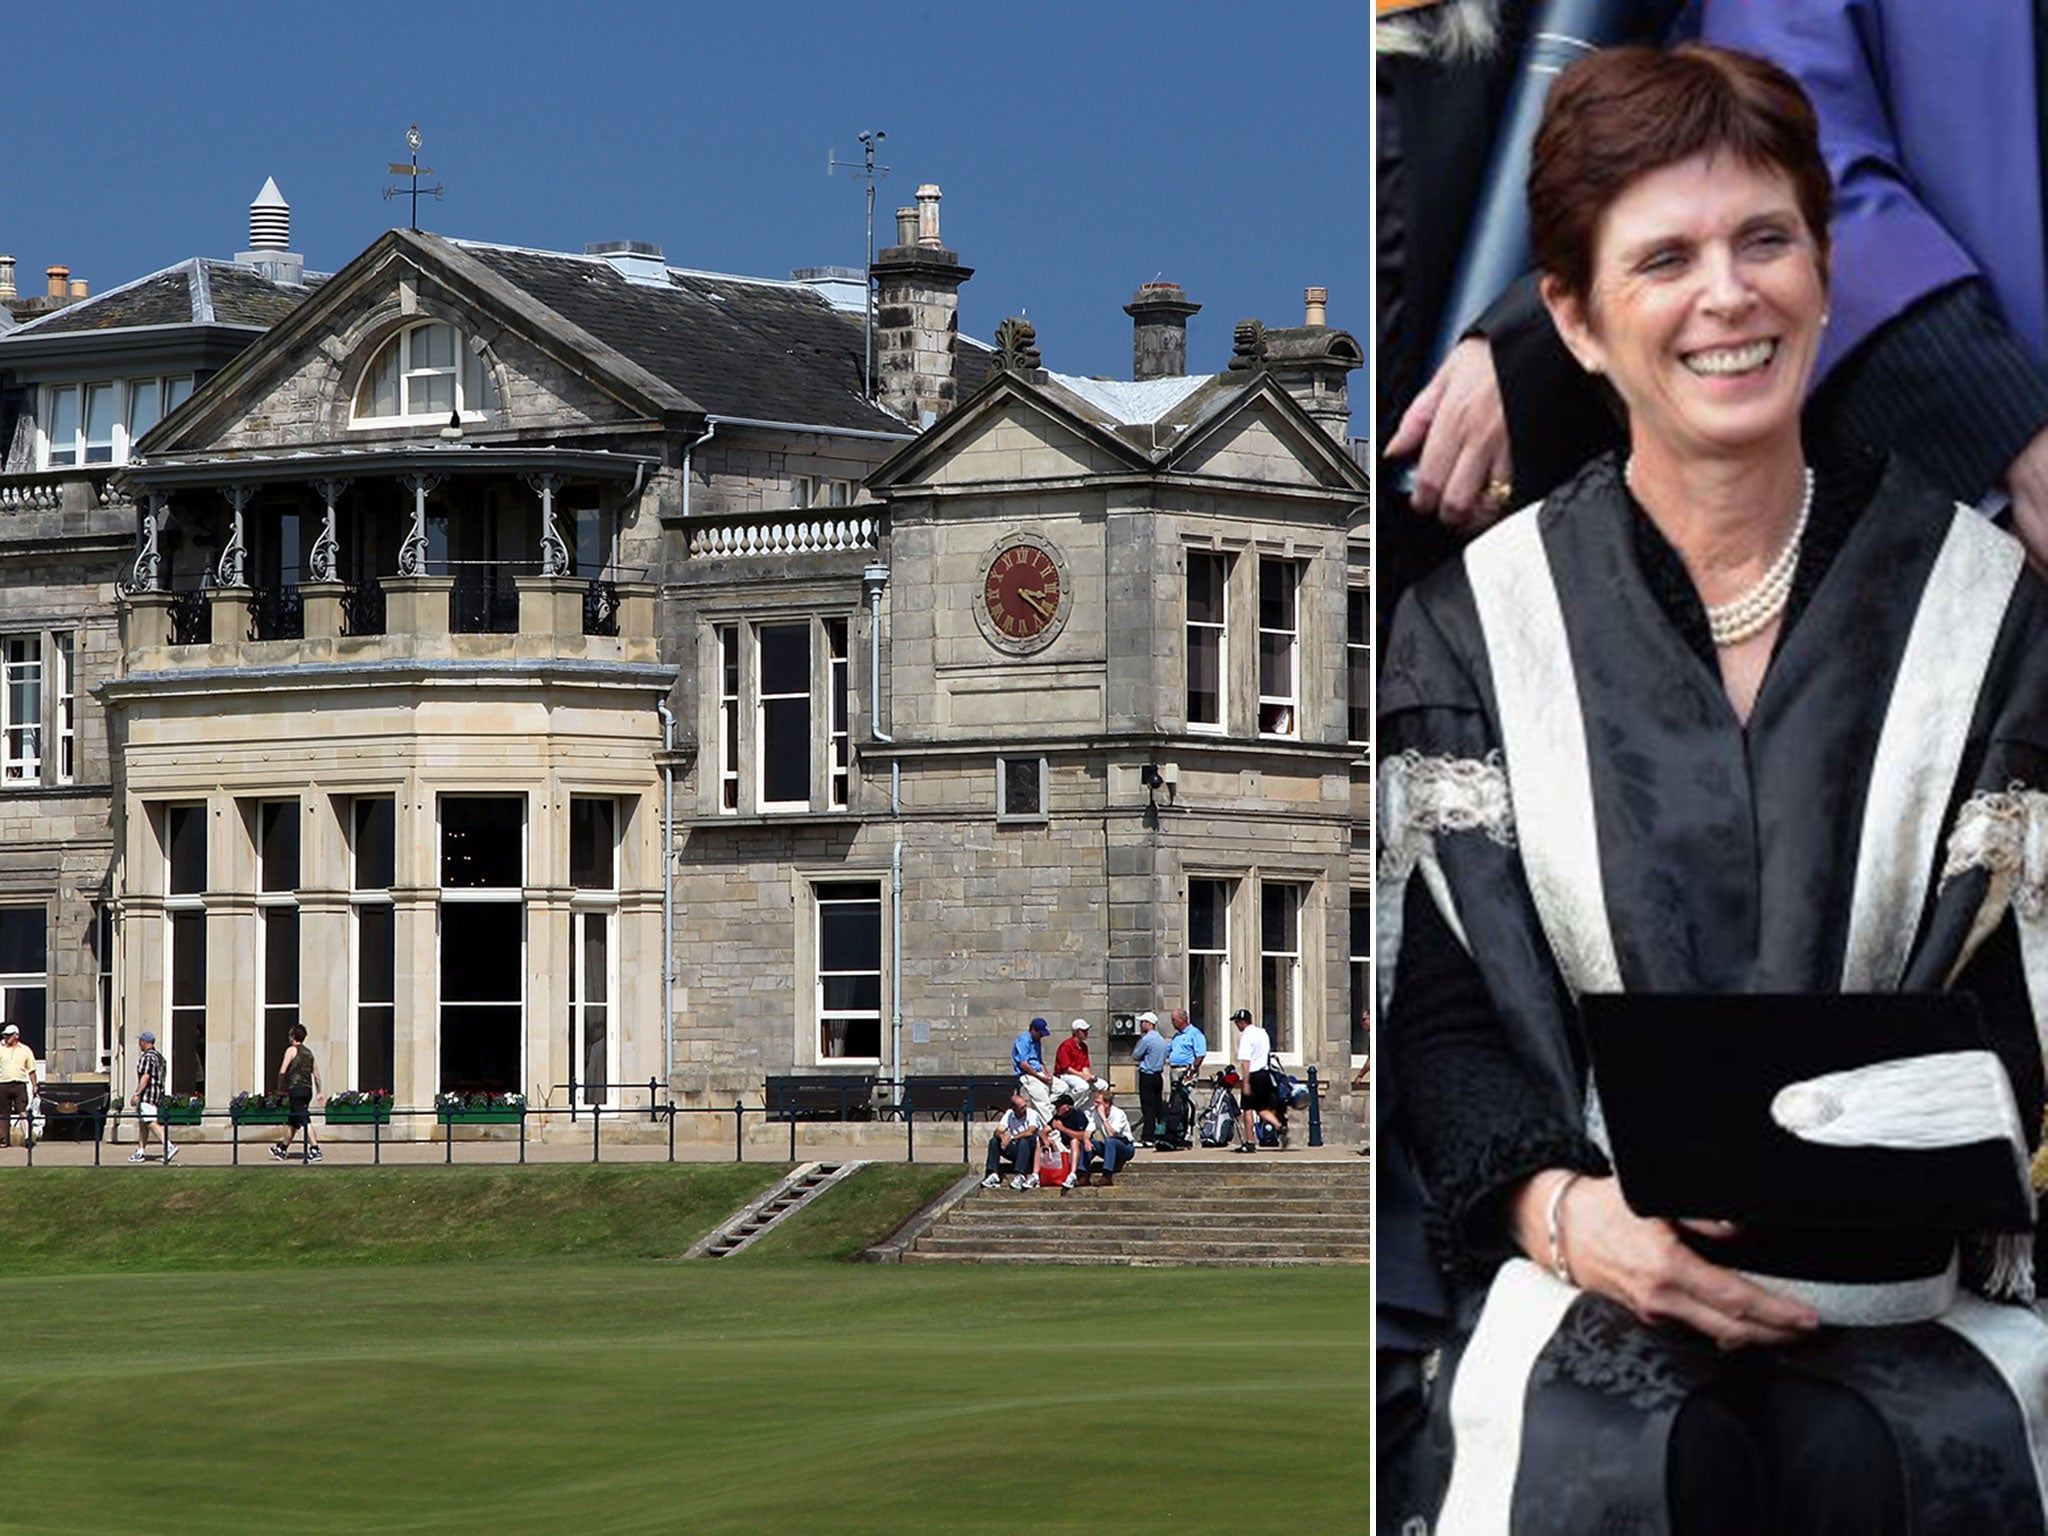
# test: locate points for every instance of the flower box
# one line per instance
(359, 1114)
(495, 1115)
(180, 1114)
(259, 1109)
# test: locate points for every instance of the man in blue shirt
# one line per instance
(1028, 1062)
(1150, 1055)
(1189, 1046)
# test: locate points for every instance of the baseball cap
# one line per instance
(1080, 1024)
(1040, 1027)
(147, 1037)
(12, 1029)
(1102, 1085)
(1148, 1017)
(1243, 1015)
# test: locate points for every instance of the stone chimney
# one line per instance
(917, 315)
(7, 278)
(60, 282)
(1159, 331)
(270, 238)
(77, 288)
(1312, 361)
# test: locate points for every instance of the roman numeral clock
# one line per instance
(1025, 595)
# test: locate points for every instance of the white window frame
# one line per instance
(269, 905)
(105, 936)
(12, 982)
(1215, 1030)
(1221, 629)
(738, 784)
(599, 904)
(1281, 1015)
(170, 392)
(1287, 706)
(812, 972)
(469, 374)
(487, 895)
(177, 904)
(1358, 665)
(1038, 812)
(362, 898)
(810, 492)
(22, 697)
(1361, 970)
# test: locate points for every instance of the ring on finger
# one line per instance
(1498, 492)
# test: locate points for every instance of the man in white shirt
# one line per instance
(1109, 1143)
(1016, 1143)
(17, 1082)
(1254, 1063)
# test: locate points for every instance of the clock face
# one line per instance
(1022, 595)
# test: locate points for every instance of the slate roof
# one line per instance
(737, 346)
(195, 292)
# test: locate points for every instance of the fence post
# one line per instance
(909, 1134)
(1315, 1110)
(739, 1131)
(522, 1135)
(235, 1139)
(671, 1131)
(100, 1136)
(967, 1128)
(572, 1098)
(653, 1112)
(594, 1117)
(792, 1135)
(448, 1138)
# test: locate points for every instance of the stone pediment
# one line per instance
(1016, 443)
(298, 387)
(1259, 439)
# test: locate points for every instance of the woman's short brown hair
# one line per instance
(1623, 112)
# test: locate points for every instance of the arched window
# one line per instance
(424, 371)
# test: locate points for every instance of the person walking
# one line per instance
(298, 1078)
(151, 1074)
(17, 1084)
(1150, 1055)
(1254, 1062)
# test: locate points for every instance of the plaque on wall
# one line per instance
(1025, 596)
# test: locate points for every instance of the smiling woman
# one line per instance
(1731, 713)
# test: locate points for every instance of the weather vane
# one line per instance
(414, 172)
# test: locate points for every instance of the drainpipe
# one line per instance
(668, 882)
(710, 426)
(874, 578)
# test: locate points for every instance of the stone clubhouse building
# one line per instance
(530, 669)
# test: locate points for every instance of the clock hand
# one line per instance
(1035, 596)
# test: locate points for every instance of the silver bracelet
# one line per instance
(1560, 1266)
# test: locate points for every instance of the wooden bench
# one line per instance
(944, 1096)
(820, 1098)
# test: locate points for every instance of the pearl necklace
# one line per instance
(1752, 612)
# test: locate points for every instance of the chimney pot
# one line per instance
(60, 281)
(906, 226)
(928, 216)
(270, 219)
(7, 278)
(1159, 330)
(1317, 300)
(78, 288)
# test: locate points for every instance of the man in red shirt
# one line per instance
(1070, 1068)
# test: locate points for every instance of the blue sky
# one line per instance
(1082, 148)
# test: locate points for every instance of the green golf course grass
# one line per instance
(584, 1388)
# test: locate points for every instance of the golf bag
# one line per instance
(1219, 1120)
(1178, 1132)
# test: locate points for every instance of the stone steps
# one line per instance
(1194, 1213)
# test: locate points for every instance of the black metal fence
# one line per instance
(269, 1122)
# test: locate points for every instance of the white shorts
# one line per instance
(146, 1111)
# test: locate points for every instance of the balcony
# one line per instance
(481, 613)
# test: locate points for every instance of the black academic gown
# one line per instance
(1565, 784)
